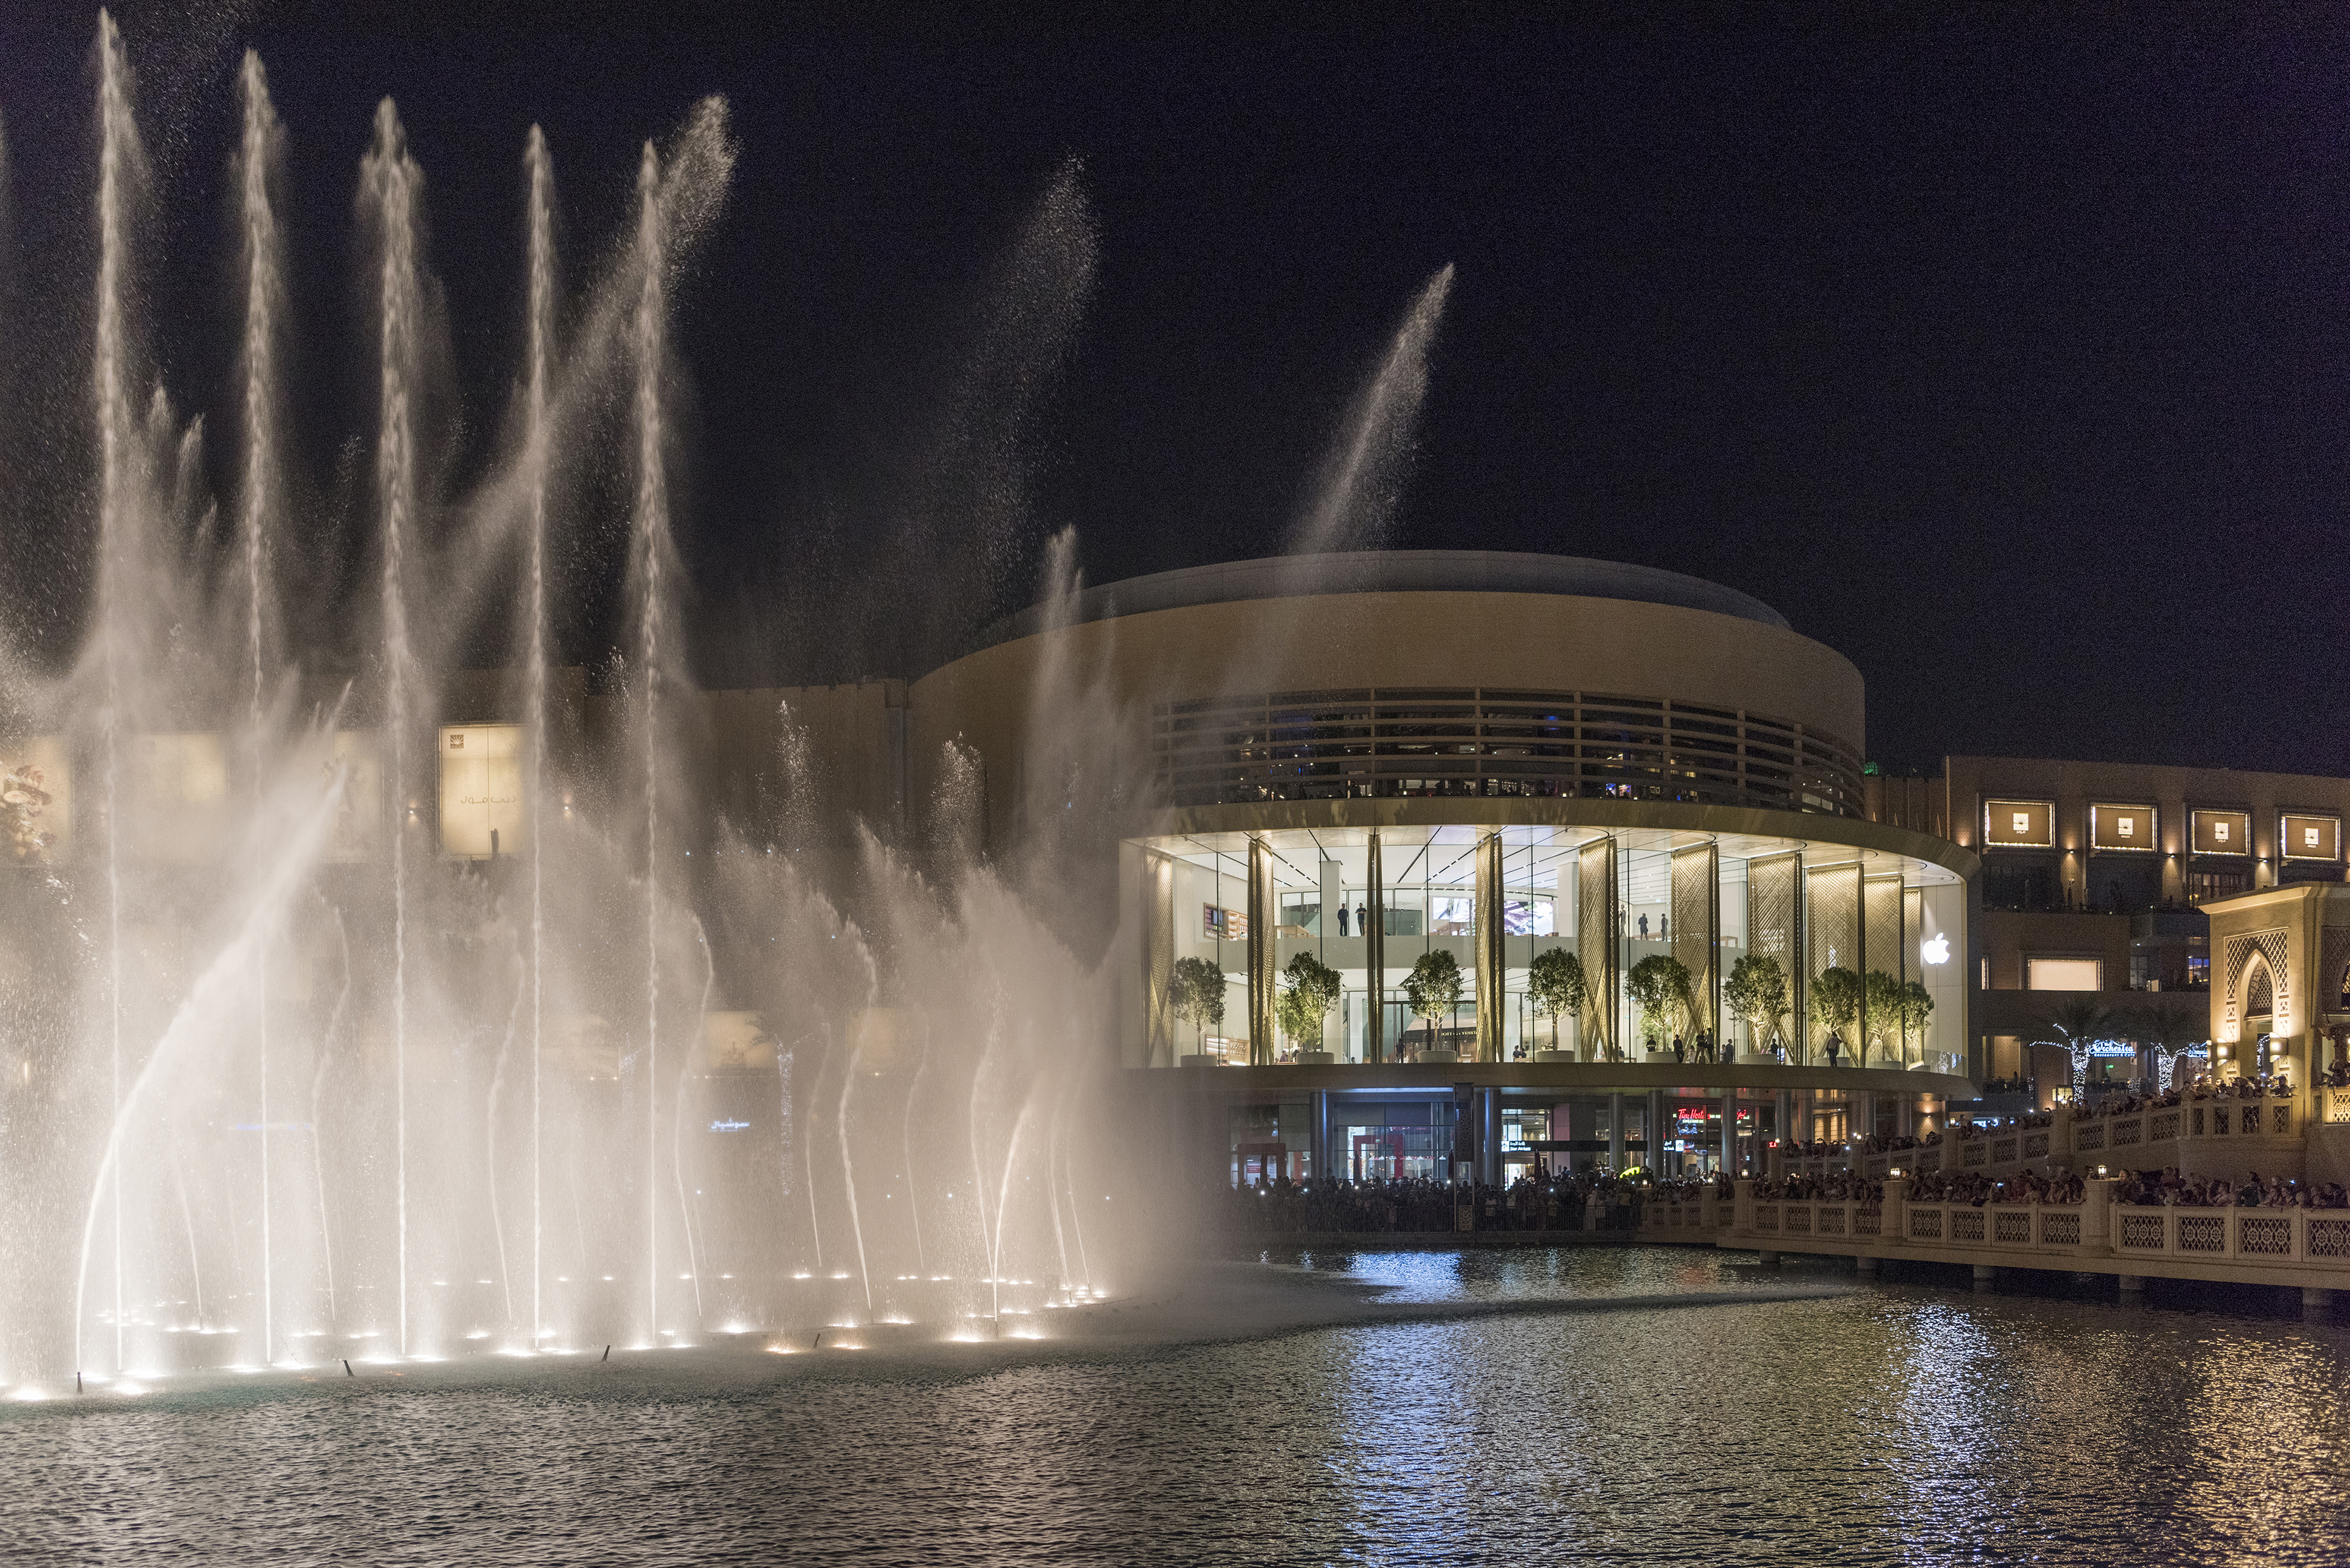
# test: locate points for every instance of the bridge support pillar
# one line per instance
(2133, 1284)
(1864, 1264)
(1986, 1275)
(2316, 1299)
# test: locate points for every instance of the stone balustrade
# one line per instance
(2049, 1235)
(2086, 1141)
(2255, 1235)
(1701, 1219)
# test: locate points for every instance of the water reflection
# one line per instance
(1907, 1423)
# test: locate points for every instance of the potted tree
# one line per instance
(1431, 990)
(1916, 1006)
(1836, 1003)
(1659, 987)
(1309, 990)
(1196, 992)
(1881, 993)
(1556, 984)
(1757, 994)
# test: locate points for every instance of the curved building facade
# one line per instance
(1372, 758)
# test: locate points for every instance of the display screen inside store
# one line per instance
(1455, 915)
(2124, 827)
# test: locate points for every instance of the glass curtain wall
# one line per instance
(1819, 905)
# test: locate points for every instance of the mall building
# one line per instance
(1369, 759)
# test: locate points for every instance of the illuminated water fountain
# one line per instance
(353, 1004)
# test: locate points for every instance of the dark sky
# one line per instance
(2005, 355)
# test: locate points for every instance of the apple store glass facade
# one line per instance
(1613, 898)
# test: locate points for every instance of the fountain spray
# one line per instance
(118, 157)
(261, 296)
(652, 524)
(1362, 476)
(391, 178)
(541, 327)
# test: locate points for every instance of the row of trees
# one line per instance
(1309, 990)
(1757, 993)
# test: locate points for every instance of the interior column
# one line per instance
(1487, 927)
(1263, 910)
(1375, 961)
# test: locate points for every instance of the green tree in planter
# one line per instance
(1835, 999)
(1661, 989)
(1309, 990)
(1556, 984)
(1196, 992)
(1432, 988)
(1916, 1006)
(1757, 993)
(1882, 994)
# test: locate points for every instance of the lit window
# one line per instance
(2063, 974)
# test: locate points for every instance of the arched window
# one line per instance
(2260, 990)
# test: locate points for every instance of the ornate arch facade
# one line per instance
(2269, 947)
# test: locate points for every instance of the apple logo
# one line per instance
(1935, 949)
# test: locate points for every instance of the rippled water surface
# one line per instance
(1633, 1406)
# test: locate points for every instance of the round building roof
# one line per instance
(1385, 571)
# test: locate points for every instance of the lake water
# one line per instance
(1600, 1405)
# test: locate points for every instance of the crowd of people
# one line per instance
(1690, 1188)
(2168, 1188)
(1883, 1143)
(1836, 1187)
(1974, 1188)
(1558, 1201)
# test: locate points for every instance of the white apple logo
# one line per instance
(1935, 949)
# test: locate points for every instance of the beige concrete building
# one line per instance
(2096, 877)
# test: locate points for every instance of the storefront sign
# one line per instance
(2311, 837)
(2019, 824)
(2221, 832)
(2124, 827)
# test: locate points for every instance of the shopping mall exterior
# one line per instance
(1373, 758)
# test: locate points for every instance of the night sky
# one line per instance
(2006, 358)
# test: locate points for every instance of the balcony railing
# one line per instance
(2130, 1140)
(2299, 1238)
